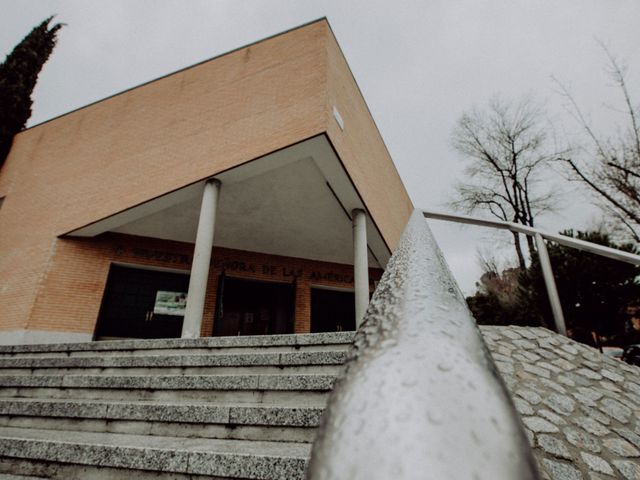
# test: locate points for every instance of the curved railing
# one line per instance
(420, 397)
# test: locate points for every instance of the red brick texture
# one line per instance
(71, 293)
(143, 143)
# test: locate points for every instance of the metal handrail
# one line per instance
(531, 231)
(420, 396)
(545, 263)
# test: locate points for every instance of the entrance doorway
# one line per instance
(332, 310)
(142, 303)
(250, 307)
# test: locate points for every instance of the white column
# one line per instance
(360, 264)
(201, 259)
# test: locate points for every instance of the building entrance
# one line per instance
(249, 307)
(332, 310)
(142, 304)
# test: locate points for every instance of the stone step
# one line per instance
(174, 382)
(248, 344)
(8, 476)
(177, 362)
(89, 454)
(224, 388)
(208, 420)
(226, 407)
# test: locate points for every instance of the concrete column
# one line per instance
(201, 260)
(550, 283)
(360, 264)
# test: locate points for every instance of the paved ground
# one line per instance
(581, 410)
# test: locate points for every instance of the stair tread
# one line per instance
(206, 342)
(178, 412)
(303, 381)
(136, 406)
(8, 476)
(231, 458)
(329, 357)
(307, 381)
(294, 405)
(239, 447)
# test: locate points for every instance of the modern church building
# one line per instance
(249, 194)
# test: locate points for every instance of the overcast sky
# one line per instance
(420, 64)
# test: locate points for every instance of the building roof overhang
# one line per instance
(295, 202)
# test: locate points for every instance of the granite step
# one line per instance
(226, 407)
(90, 454)
(8, 476)
(243, 388)
(177, 362)
(208, 345)
(208, 420)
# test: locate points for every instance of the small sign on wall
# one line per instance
(170, 303)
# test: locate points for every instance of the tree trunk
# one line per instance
(531, 245)
(516, 242)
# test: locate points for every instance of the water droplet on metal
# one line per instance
(435, 417)
(388, 342)
(445, 366)
(409, 382)
(403, 416)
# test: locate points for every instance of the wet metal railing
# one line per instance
(545, 264)
(420, 397)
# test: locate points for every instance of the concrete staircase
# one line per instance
(227, 407)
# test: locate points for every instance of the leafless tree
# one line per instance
(610, 166)
(507, 147)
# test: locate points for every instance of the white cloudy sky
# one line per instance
(419, 63)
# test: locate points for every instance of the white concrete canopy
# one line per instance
(293, 202)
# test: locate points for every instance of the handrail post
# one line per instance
(550, 284)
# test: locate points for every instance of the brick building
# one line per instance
(269, 148)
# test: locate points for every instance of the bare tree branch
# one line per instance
(623, 169)
(506, 148)
(611, 168)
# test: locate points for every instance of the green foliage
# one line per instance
(596, 293)
(499, 300)
(18, 77)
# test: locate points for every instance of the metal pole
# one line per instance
(201, 260)
(550, 283)
(360, 264)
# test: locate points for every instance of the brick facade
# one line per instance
(140, 144)
(71, 294)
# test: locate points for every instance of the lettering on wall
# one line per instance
(237, 265)
(233, 265)
(268, 270)
(158, 255)
(290, 272)
(331, 277)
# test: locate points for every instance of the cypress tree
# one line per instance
(18, 77)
